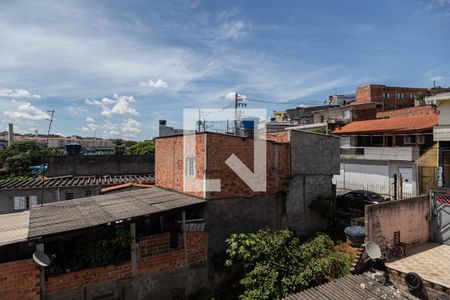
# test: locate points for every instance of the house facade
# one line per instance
(388, 97)
(386, 155)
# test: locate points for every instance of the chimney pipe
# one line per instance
(10, 134)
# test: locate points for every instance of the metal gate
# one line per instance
(440, 222)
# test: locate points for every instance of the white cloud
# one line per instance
(118, 105)
(26, 111)
(17, 93)
(75, 110)
(232, 95)
(158, 84)
(89, 120)
(130, 127)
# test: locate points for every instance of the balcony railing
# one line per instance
(381, 153)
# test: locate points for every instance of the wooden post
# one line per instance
(40, 248)
(134, 270)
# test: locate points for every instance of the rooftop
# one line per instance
(353, 287)
(430, 261)
(415, 123)
(14, 227)
(87, 212)
(69, 181)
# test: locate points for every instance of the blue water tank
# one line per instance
(73, 149)
(249, 123)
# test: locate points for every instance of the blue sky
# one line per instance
(116, 67)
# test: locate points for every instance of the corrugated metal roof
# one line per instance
(398, 124)
(69, 181)
(92, 211)
(353, 287)
(14, 227)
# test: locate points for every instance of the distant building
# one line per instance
(388, 97)
(165, 130)
(341, 99)
(345, 114)
(280, 116)
(304, 115)
(387, 155)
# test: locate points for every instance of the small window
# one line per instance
(386, 95)
(347, 114)
(20, 202)
(190, 166)
(411, 139)
(88, 193)
(69, 196)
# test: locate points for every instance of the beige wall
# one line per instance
(409, 216)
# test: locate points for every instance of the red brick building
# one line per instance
(299, 168)
(388, 97)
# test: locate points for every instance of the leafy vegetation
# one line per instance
(18, 157)
(144, 147)
(276, 263)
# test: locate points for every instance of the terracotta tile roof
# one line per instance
(400, 124)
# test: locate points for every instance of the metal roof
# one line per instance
(351, 287)
(14, 227)
(69, 181)
(82, 213)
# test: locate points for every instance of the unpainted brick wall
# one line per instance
(169, 164)
(164, 260)
(410, 111)
(19, 280)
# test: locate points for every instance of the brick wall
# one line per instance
(409, 111)
(220, 147)
(376, 93)
(19, 280)
(169, 163)
(154, 255)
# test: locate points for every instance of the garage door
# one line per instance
(364, 176)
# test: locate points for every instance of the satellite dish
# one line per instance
(373, 250)
(41, 259)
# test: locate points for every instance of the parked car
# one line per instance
(357, 200)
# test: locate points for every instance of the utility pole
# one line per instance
(44, 161)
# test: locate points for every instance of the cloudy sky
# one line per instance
(116, 67)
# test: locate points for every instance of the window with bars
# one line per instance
(70, 196)
(88, 193)
(190, 166)
(24, 202)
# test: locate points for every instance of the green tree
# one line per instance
(277, 264)
(144, 147)
(20, 155)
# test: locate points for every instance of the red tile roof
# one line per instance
(400, 124)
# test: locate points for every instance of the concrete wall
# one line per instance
(50, 195)
(241, 214)
(397, 216)
(314, 154)
(81, 165)
(302, 191)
